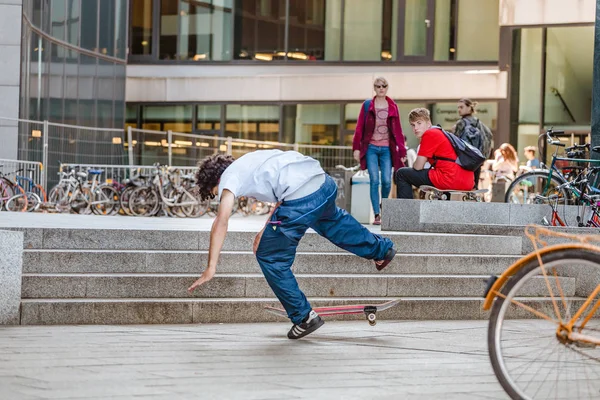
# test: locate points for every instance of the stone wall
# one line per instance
(10, 73)
(11, 265)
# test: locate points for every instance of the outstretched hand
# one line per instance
(206, 276)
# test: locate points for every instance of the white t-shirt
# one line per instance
(269, 175)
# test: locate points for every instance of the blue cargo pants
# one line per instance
(277, 248)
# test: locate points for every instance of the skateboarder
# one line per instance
(443, 174)
(306, 197)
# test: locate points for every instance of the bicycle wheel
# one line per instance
(40, 192)
(526, 187)
(529, 353)
(6, 193)
(17, 203)
(188, 203)
(199, 209)
(105, 201)
(144, 201)
(33, 202)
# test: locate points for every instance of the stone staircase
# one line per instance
(115, 276)
(97, 275)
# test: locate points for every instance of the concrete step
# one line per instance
(192, 262)
(255, 286)
(123, 239)
(235, 310)
(410, 215)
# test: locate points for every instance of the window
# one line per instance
(208, 118)
(259, 30)
(73, 16)
(444, 39)
(89, 21)
(57, 19)
(478, 30)
(106, 29)
(165, 118)
(168, 29)
(317, 123)
(569, 76)
(306, 30)
(252, 122)
(141, 27)
(369, 32)
(205, 30)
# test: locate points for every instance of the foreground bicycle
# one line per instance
(544, 329)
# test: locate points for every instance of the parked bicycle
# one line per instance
(546, 181)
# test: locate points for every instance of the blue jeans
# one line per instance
(277, 248)
(379, 158)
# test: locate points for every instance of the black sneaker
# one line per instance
(389, 256)
(312, 323)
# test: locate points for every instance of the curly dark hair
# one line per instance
(209, 172)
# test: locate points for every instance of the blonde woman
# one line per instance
(379, 142)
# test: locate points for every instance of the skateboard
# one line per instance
(370, 310)
(432, 193)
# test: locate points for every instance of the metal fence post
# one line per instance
(170, 148)
(130, 145)
(45, 138)
(229, 145)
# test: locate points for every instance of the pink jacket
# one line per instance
(364, 132)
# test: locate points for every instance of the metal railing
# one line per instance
(120, 172)
(28, 169)
(53, 144)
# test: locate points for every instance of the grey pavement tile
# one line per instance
(349, 360)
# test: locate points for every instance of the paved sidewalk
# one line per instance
(343, 360)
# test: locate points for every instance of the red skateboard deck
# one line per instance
(369, 310)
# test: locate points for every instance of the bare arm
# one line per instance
(420, 163)
(217, 237)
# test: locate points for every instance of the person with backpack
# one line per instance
(452, 160)
(473, 131)
(378, 143)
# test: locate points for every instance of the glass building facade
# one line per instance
(301, 31)
(73, 65)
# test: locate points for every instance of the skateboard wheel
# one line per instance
(372, 323)
(371, 317)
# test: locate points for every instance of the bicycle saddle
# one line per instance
(95, 171)
(82, 174)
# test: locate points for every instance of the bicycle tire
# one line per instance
(33, 202)
(143, 208)
(542, 174)
(6, 192)
(498, 310)
(17, 203)
(124, 199)
(110, 200)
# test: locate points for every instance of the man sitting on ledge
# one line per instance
(443, 174)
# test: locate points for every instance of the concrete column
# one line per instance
(11, 268)
(10, 67)
(596, 84)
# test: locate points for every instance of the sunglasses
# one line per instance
(380, 86)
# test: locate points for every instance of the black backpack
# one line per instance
(472, 135)
(468, 156)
